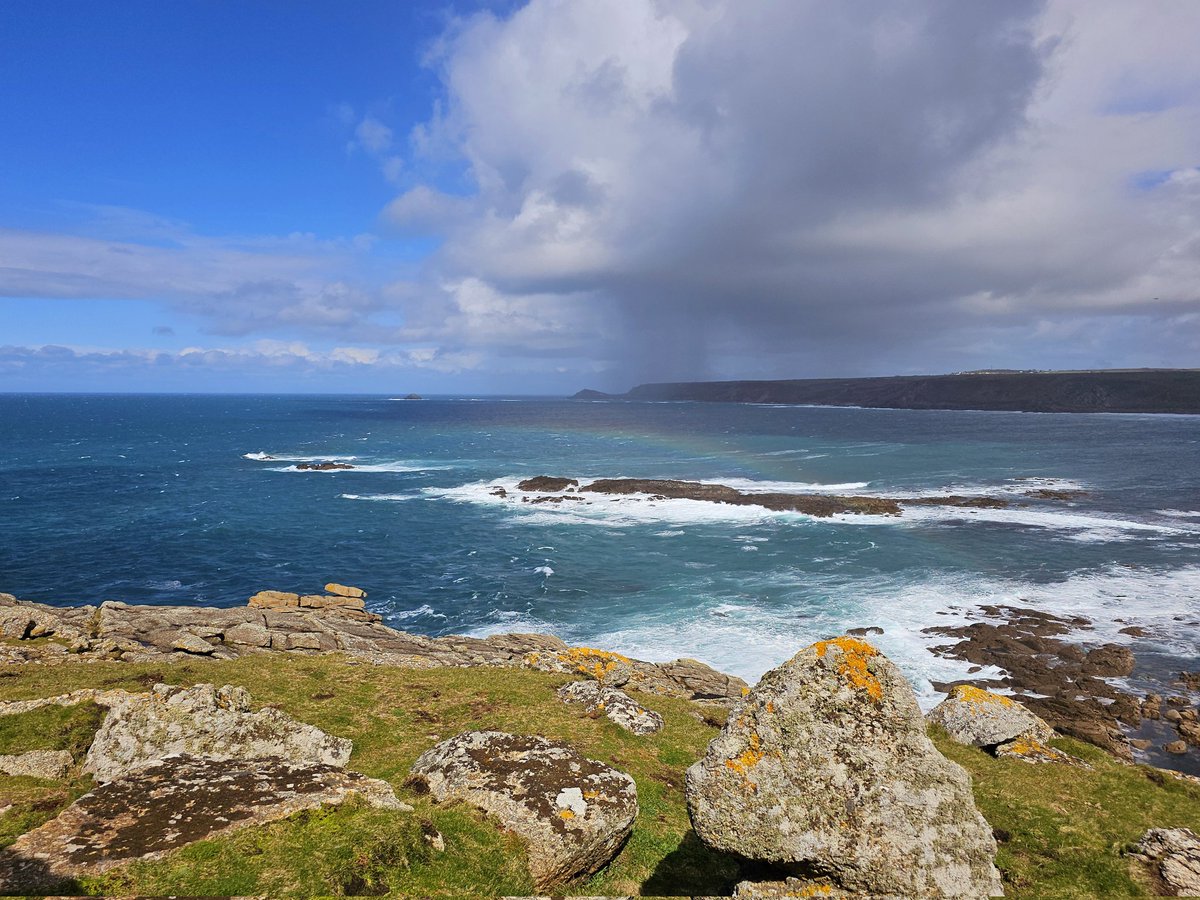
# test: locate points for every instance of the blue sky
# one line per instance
(540, 196)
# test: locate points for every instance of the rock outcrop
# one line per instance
(1054, 678)
(617, 706)
(177, 801)
(1174, 858)
(574, 813)
(825, 769)
(141, 729)
(980, 718)
(122, 631)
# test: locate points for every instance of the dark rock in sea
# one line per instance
(863, 632)
(589, 394)
(1134, 631)
(546, 484)
(413, 397)
(1056, 679)
(1048, 494)
(820, 505)
(322, 467)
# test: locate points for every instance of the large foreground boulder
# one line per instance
(176, 802)
(980, 718)
(825, 769)
(141, 729)
(574, 813)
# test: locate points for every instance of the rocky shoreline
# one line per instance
(278, 621)
(825, 779)
(557, 489)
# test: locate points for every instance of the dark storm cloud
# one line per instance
(779, 186)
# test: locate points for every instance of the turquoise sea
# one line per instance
(197, 500)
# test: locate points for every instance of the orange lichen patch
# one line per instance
(1027, 746)
(812, 890)
(853, 664)
(589, 661)
(745, 691)
(590, 795)
(970, 694)
(747, 760)
(566, 814)
(770, 707)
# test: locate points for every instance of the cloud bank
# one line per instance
(675, 189)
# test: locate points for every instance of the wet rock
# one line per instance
(825, 767)
(546, 484)
(1133, 631)
(1108, 661)
(1176, 747)
(37, 763)
(175, 802)
(574, 813)
(617, 706)
(342, 590)
(1174, 857)
(322, 467)
(1052, 677)
(1152, 706)
(980, 718)
(141, 729)
(864, 632)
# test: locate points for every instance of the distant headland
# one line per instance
(1095, 391)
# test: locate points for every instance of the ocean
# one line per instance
(198, 500)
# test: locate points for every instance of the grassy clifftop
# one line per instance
(1061, 829)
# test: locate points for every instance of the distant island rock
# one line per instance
(1094, 391)
(413, 397)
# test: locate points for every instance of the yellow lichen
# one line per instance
(770, 707)
(1026, 746)
(589, 661)
(970, 694)
(590, 795)
(745, 761)
(812, 890)
(566, 814)
(853, 664)
(745, 691)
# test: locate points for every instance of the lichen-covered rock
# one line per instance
(617, 706)
(980, 718)
(175, 802)
(37, 763)
(791, 888)
(1031, 750)
(574, 813)
(1174, 857)
(141, 729)
(608, 668)
(825, 768)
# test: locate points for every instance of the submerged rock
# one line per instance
(141, 729)
(1174, 857)
(574, 813)
(173, 803)
(617, 706)
(980, 718)
(825, 768)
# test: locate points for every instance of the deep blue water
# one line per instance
(158, 499)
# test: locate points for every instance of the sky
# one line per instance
(537, 197)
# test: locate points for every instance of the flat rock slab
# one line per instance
(574, 813)
(177, 802)
(825, 768)
(617, 706)
(980, 718)
(202, 721)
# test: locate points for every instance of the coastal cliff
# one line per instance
(1095, 391)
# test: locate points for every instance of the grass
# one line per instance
(1063, 829)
